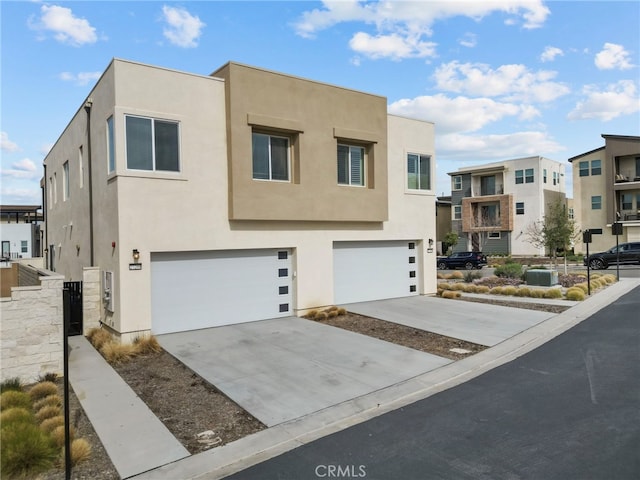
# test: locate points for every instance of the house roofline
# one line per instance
(584, 154)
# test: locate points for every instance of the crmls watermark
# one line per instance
(341, 471)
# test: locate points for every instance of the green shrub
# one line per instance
(26, 450)
(553, 293)
(15, 414)
(575, 294)
(14, 398)
(11, 384)
(42, 390)
(509, 270)
(471, 275)
(510, 290)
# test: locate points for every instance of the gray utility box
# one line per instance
(542, 278)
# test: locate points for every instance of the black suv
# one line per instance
(468, 260)
(629, 253)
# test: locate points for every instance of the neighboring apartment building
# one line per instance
(443, 223)
(606, 189)
(20, 231)
(493, 205)
(240, 196)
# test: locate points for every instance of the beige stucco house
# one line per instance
(239, 196)
(606, 186)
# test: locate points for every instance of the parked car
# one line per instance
(629, 253)
(468, 260)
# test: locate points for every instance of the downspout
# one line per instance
(45, 217)
(87, 108)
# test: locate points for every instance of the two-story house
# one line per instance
(20, 231)
(493, 205)
(606, 186)
(244, 195)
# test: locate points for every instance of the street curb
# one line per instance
(256, 448)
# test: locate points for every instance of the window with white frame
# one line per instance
(519, 176)
(418, 172)
(50, 192)
(65, 181)
(152, 144)
(111, 154)
(583, 168)
(544, 175)
(555, 178)
(271, 157)
(596, 202)
(80, 166)
(24, 246)
(596, 167)
(457, 212)
(519, 208)
(528, 175)
(351, 165)
(571, 213)
(494, 235)
(456, 182)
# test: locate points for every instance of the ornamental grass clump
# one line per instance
(11, 384)
(537, 293)
(98, 337)
(115, 352)
(14, 398)
(47, 412)
(575, 294)
(50, 424)
(42, 390)
(523, 292)
(147, 345)
(482, 289)
(496, 291)
(457, 286)
(15, 414)
(444, 286)
(510, 290)
(80, 451)
(26, 450)
(470, 288)
(451, 294)
(553, 293)
(49, 401)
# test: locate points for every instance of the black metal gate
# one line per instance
(72, 301)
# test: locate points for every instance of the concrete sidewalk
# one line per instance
(135, 439)
(236, 456)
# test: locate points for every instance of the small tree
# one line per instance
(555, 231)
(450, 239)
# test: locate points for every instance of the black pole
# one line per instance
(66, 296)
(588, 272)
(617, 259)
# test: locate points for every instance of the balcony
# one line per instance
(489, 213)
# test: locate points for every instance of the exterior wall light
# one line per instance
(136, 255)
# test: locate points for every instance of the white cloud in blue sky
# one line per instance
(500, 79)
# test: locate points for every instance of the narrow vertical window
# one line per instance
(55, 187)
(519, 176)
(81, 166)
(596, 167)
(584, 169)
(110, 146)
(528, 175)
(596, 202)
(456, 182)
(65, 181)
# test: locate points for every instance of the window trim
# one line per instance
(456, 212)
(456, 182)
(111, 154)
(271, 135)
(583, 168)
(65, 181)
(529, 178)
(519, 208)
(596, 170)
(519, 177)
(153, 168)
(596, 205)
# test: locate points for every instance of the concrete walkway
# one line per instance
(135, 439)
(479, 323)
(282, 369)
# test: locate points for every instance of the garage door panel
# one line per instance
(192, 290)
(366, 271)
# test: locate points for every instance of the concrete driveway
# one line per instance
(282, 369)
(480, 323)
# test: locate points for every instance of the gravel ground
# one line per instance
(188, 405)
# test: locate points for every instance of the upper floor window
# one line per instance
(627, 201)
(488, 185)
(596, 202)
(528, 175)
(418, 172)
(457, 212)
(152, 144)
(270, 157)
(519, 176)
(555, 178)
(456, 182)
(519, 208)
(111, 154)
(350, 165)
(596, 167)
(571, 213)
(24, 246)
(544, 175)
(584, 169)
(81, 166)
(65, 180)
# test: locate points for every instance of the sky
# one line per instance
(500, 79)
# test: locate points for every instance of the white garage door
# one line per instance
(366, 271)
(192, 290)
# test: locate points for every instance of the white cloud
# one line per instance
(612, 57)
(401, 26)
(24, 169)
(618, 99)
(393, 46)
(511, 145)
(550, 54)
(183, 29)
(6, 144)
(460, 114)
(66, 27)
(80, 79)
(20, 196)
(514, 82)
(469, 40)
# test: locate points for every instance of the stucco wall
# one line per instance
(31, 330)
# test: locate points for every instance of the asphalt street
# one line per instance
(569, 409)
